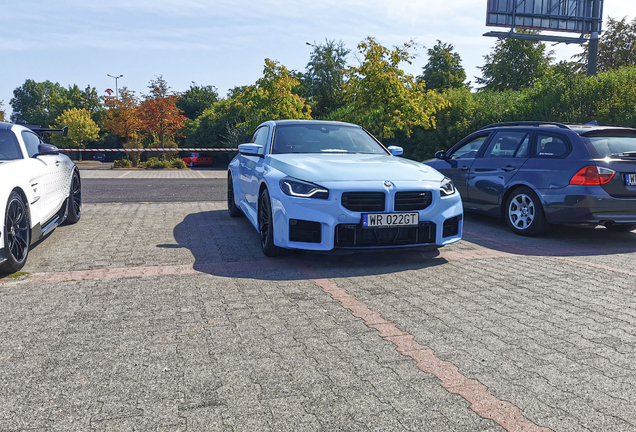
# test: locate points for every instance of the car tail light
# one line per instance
(592, 175)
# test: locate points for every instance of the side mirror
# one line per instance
(441, 155)
(47, 150)
(251, 149)
(396, 151)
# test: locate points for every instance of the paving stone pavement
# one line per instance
(153, 174)
(247, 343)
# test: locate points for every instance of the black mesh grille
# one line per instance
(348, 235)
(364, 201)
(305, 231)
(410, 201)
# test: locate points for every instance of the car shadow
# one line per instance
(560, 240)
(225, 246)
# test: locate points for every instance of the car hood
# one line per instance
(351, 167)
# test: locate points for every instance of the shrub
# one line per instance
(155, 163)
(177, 163)
(122, 163)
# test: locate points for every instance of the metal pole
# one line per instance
(592, 59)
(116, 89)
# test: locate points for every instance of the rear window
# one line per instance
(608, 144)
(9, 148)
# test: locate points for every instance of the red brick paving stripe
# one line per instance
(599, 266)
(481, 401)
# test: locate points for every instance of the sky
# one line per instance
(224, 42)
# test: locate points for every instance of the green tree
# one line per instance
(325, 76)
(444, 68)
(514, 64)
(197, 99)
(81, 128)
(383, 98)
(40, 103)
(2, 113)
(271, 98)
(616, 46)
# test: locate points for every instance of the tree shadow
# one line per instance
(560, 240)
(225, 246)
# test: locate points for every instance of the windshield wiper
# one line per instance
(625, 154)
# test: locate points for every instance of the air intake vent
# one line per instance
(410, 201)
(364, 201)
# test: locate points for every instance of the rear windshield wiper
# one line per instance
(625, 154)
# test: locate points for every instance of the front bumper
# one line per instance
(586, 204)
(338, 224)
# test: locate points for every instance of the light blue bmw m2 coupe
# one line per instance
(319, 185)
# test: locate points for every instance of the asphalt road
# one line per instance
(153, 190)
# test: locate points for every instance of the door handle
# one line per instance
(508, 168)
(57, 162)
(464, 168)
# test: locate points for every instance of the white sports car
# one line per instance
(317, 185)
(39, 189)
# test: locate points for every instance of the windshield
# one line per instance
(324, 138)
(613, 144)
(9, 149)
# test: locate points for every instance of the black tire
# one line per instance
(266, 226)
(621, 227)
(16, 234)
(74, 202)
(524, 213)
(232, 209)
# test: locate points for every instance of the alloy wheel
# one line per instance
(521, 211)
(17, 225)
(263, 219)
(77, 195)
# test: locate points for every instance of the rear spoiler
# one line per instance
(38, 129)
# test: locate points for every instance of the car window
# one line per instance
(550, 146)
(31, 142)
(324, 138)
(470, 149)
(260, 136)
(506, 143)
(611, 143)
(9, 147)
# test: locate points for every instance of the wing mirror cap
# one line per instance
(441, 155)
(47, 150)
(250, 149)
(395, 150)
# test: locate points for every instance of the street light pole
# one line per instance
(116, 78)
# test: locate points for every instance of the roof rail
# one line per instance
(526, 123)
(38, 129)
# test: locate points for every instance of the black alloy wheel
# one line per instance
(17, 234)
(266, 226)
(74, 210)
(232, 208)
(524, 213)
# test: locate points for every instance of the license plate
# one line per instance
(630, 179)
(389, 220)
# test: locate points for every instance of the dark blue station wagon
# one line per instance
(534, 174)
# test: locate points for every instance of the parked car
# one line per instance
(39, 189)
(195, 159)
(321, 185)
(99, 157)
(534, 174)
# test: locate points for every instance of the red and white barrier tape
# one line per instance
(150, 150)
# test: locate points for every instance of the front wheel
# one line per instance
(524, 213)
(74, 209)
(17, 234)
(266, 226)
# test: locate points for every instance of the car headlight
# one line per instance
(298, 188)
(447, 187)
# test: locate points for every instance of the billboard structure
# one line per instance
(573, 16)
(554, 15)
